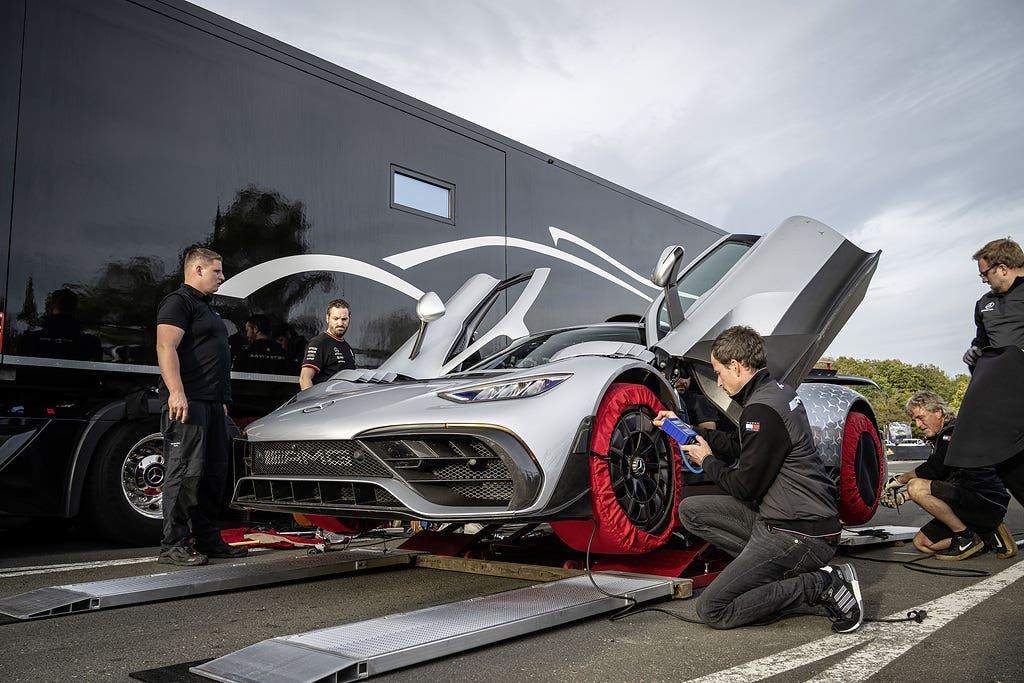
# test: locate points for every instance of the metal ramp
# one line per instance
(83, 597)
(355, 651)
(870, 535)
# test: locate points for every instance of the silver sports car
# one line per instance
(557, 426)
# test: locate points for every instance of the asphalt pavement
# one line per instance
(973, 631)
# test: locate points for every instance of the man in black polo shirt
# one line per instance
(195, 366)
(328, 353)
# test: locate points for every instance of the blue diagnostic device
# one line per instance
(683, 435)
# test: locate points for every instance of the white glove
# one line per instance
(972, 355)
(894, 498)
(893, 482)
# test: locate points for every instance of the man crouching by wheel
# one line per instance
(777, 516)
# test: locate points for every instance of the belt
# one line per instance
(831, 539)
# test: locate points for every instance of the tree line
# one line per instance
(897, 382)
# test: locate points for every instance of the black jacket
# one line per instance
(771, 461)
(1000, 318)
(981, 480)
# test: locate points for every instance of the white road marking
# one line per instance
(75, 566)
(888, 641)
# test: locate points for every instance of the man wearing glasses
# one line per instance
(990, 430)
(999, 314)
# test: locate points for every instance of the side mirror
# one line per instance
(665, 275)
(429, 308)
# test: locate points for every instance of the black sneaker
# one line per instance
(182, 556)
(963, 545)
(842, 598)
(1001, 542)
(223, 551)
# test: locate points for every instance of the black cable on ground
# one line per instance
(914, 565)
(590, 575)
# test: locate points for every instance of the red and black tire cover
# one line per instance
(862, 470)
(616, 534)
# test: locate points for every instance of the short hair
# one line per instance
(63, 301)
(1004, 251)
(931, 402)
(260, 322)
(338, 303)
(201, 255)
(740, 343)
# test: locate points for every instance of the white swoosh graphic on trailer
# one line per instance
(251, 279)
(414, 257)
(559, 234)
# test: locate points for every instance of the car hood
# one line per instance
(355, 401)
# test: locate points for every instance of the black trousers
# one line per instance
(1012, 473)
(196, 470)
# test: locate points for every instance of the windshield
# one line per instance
(538, 349)
(702, 277)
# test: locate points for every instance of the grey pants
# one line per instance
(772, 573)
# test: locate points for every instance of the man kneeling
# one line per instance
(968, 505)
(779, 520)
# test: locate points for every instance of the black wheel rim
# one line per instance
(640, 468)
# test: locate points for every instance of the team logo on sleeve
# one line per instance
(752, 427)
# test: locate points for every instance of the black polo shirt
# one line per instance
(204, 355)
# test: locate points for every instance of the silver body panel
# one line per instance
(545, 425)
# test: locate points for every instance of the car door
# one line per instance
(471, 322)
(797, 285)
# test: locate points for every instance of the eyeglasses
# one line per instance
(984, 274)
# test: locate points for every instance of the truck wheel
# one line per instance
(862, 470)
(124, 494)
(634, 477)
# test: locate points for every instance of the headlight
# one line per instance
(501, 391)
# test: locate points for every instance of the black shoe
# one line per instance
(223, 551)
(842, 598)
(963, 545)
(1001, 542)
(182, 556)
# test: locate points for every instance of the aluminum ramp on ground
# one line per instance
(355, 651)
(870, 535)
(82, 597)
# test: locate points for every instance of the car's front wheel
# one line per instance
(634, 477)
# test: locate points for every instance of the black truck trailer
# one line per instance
(133, 129)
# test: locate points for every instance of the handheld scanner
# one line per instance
(681, 432)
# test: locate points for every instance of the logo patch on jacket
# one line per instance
(752, 427)
(989, 306)
(947, 437)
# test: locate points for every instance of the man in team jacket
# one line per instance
(776, 513)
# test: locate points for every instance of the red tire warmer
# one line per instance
(853, 508)
(615, 533)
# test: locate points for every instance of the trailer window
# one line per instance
(422, 194)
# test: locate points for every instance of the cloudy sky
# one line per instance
(899, 123)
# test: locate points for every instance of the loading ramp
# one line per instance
(83, 597)
(356, 651)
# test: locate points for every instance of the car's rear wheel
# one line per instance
(862, 470)
(634, 477)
